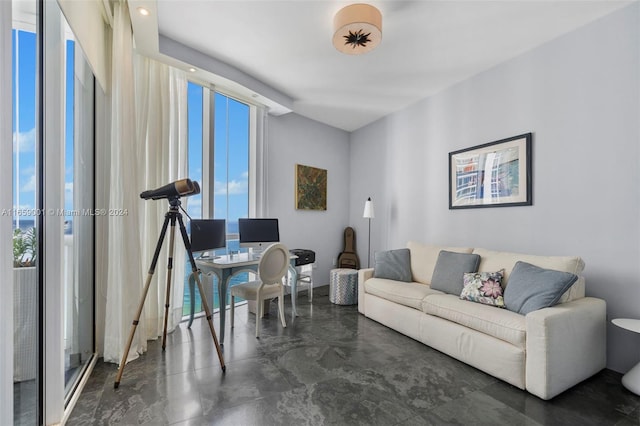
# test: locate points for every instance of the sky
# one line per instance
(231, 155)
(231, 152)
(24, 83)
(24, 118)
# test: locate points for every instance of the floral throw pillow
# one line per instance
(484, 287)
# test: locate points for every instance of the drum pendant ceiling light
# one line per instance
(357, 29)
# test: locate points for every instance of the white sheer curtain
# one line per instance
(148, 150)
(124, 269)
(161, 92)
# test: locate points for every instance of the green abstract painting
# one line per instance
(311, 188)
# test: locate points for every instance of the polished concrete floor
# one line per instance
(330, 366)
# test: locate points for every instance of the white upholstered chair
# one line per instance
(273, 266)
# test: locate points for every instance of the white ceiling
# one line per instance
(426, 46)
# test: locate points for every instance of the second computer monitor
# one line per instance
(258, 233)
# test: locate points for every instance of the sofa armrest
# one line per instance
(566, 344)
(363, 275)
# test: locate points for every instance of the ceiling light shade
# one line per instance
(357, 29)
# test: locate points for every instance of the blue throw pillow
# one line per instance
(531, 288)
(393, 265)
(448, 274)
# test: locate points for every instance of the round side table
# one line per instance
(631, 380)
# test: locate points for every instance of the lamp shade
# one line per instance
(357, 29)
(368, 209)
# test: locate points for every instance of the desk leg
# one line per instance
(223, 285)
(294, 292)
(192, 293)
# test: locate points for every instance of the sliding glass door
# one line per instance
(52, 214)
(26, 183)
(78, 278)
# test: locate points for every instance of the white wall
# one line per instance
(94, 35)
(580, 96)
(293, 139)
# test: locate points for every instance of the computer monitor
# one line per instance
(208, 234)
(258, 233)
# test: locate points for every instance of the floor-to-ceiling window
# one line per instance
(25, 213)
(52, 182)
(219, 147)
(231, 164)
(78, 278)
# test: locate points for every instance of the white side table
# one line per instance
(631, 380)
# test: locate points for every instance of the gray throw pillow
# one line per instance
(531, 288)
(393, 265)
(448, 274)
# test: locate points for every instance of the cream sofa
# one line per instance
(545, 352)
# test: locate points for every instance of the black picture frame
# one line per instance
(510, 180)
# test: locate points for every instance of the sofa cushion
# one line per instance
(576, 291)
(483, 287)
(534, 288)
(393, 265)
(448, 275)
(424, 258)
(407, 294)
(495, 260)
(499, 323)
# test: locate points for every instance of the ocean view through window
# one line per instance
(223, 155)
(52, 179)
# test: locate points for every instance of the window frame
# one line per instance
(209, 92)
(208, 145)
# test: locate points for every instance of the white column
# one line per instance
(6, 202)
(258, 158)
(53, 223)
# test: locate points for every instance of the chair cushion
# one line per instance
(407, 294)
(249, 290)
(274, 263)
(499, 323)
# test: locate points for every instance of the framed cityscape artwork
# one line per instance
(495, 174)
(310, 188)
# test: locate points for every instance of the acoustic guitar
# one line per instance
(349, 258)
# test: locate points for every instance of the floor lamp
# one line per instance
(369, 214)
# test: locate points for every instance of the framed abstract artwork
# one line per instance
(495, 174)
(310, 188)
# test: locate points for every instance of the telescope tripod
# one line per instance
(170, 217)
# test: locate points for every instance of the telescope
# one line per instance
(172, 191)
(179, 188)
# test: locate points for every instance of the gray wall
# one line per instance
(579, 95)
(293, 139)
